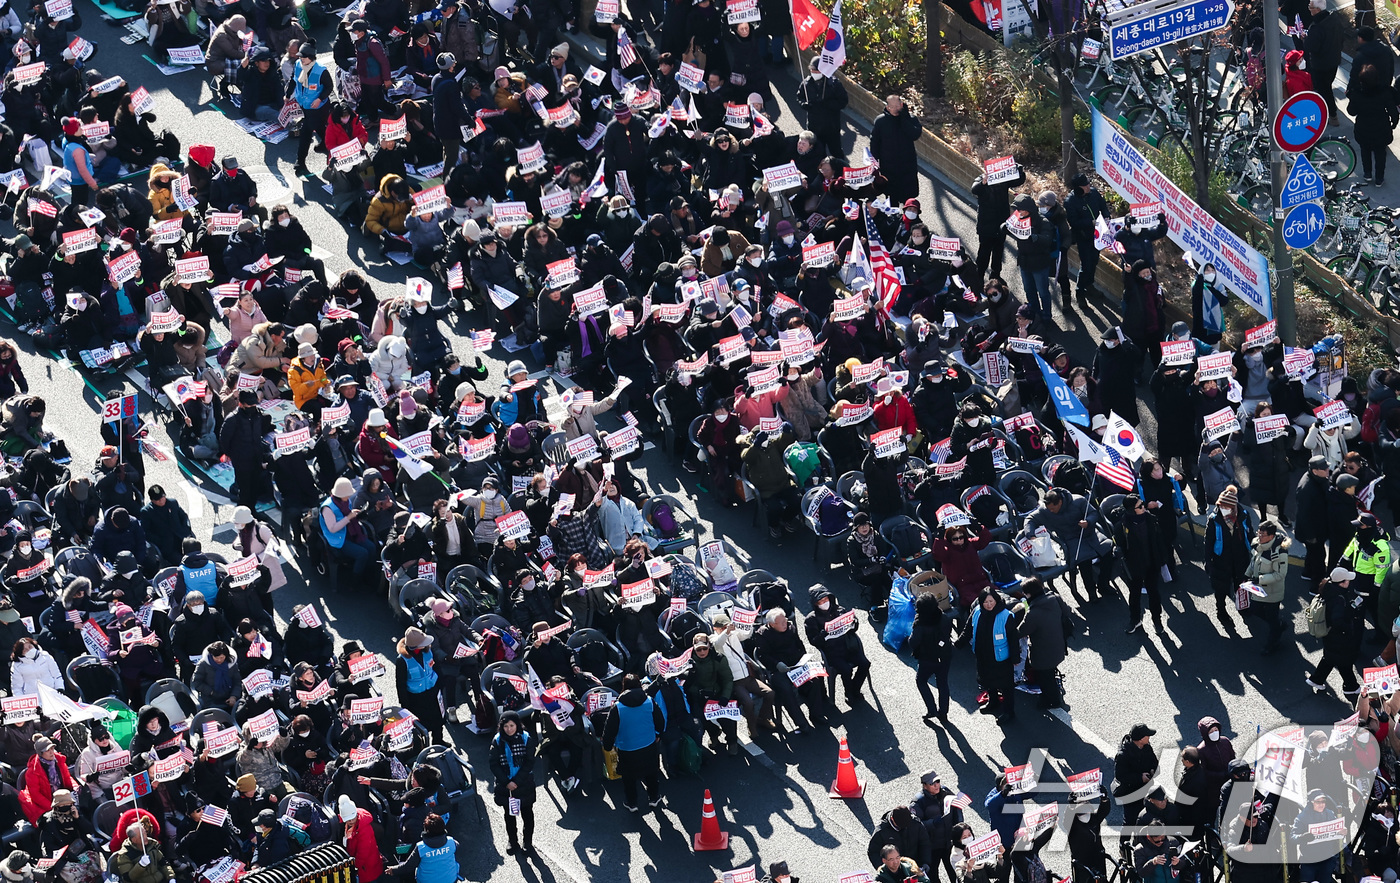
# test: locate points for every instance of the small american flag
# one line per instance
(626, 52)
(214, 815)
(1115, 471)
(536, 92)
(886, 281)
(454, 276)
(1296, 29)
(188, 754)
(678, 112)
(962, 801)
(74, 616)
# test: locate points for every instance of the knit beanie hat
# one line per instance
(1228, 497)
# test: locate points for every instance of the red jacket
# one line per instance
(1294, 80)
(336, 134)
(897, 413)
(962, 567)
(37, 796)
(364, 849)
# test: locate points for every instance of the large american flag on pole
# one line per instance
(886, 280)
(1114, 469)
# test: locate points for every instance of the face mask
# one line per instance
(285, 222)
(793, 376)
(80, 305)
(1254, 358)
(1044, 211)
(528, 585)
(721, 417)
(1302, 65)
(911, 214)
(823, 605)
(689, 273)
(1225, 510)
(755, 262)
(967, 841)
(421, 309)
(975, 422)
(1111, 344)
(888, 399)
(302, 734)
(197, 609)
(488, 495)
(917, 240)
(1210, 278)
(24, 548)
(787, 240)
(937, 378)
(1083, 816)
(32, 653)
(996, 295)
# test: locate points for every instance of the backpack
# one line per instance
(1317, 617)
(313, 819)
(686, 582)
(593, 658)
(972, 342)
(833, 516)
(987, 509)
(772, 596)
(474, 599)
(1022, 494)
(1370, 423)
(665, 521)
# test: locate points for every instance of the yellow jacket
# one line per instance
(306, 383)
(385, 212)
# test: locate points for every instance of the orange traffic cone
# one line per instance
(846, 784)
(710, 836)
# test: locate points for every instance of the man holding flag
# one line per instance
(823, 97)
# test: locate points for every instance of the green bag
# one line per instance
(688, 757)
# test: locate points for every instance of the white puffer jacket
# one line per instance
(26, 674)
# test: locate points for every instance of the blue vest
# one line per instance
(334, 539)
(203, 580)
(421, 678)
(305, 95)
(438, 865)
(70, 163)
(635, 727)
(1000, 646)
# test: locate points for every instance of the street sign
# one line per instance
(1304, 184)
(1303, 225)
(1300, 123)
(1136, 33)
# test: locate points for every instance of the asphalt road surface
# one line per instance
(772, 799)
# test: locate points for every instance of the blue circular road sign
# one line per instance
(1303, 225)
(1301, 122)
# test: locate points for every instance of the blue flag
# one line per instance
(1067, 404)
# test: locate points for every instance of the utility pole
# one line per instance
(1284, 312)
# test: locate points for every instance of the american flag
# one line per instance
(1296, 29)
(962, 801)
(626, 52)
(886, 282)
(1114, 470)
(74, 616)
(454, 276)
(536, 92)
(214, 815)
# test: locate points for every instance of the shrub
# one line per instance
(896, 27)
(1038, 124)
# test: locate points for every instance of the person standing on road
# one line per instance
(1268, 569)
(1343, 639)
(935, 809)
(311, 87)
(633, 722)
(1323, 47)
(1371, 100)
(449, 109)
(1139, 541)
(1035, 254)
(992, 209)
(1371, 50)
(1047, 624)
(1227, 548)
(1083, 207)
(1134, 766)
(823, 98)
(1310, 525)
(892, 139)
(931, 642)
(417, 681)
(513, 754)
(992, 632)
(242, 441)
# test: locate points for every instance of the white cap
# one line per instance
(1340, 575)
(376, 418)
